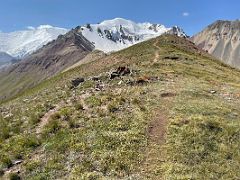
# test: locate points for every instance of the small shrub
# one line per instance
(94, 101)
(31, 142)
(52, 127)
(55, 116)
(14, 176)
(35, 118)
(73, 124)
(18, 156)
(48, 106)
(136, 101)
(112, 106)
(5, 132)
(6, 161)
(78, 106)
(31, 166)
(1, 172)
(65, 113)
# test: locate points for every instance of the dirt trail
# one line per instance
(155, 154)
(157, 52)
(157, 128)
(44, 120)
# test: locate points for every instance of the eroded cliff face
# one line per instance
(221, 39)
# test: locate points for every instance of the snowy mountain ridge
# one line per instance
(21, 43)
(118, 33)
(108, 36)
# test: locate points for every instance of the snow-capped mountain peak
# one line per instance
(119, 33)
(107, 36)
(20, 43)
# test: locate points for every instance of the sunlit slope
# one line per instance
(171, 113)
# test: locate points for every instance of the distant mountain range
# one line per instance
(110, 35)
(21, 43)
(221, 39)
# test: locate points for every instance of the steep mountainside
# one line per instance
(44, 63)
(221, 39)
(21, 43)
(117, 34)
(161, 109)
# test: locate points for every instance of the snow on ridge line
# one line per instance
(119, 33)
(107, 36)
(21, 43)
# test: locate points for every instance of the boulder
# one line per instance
(120, 71)
(76, 82)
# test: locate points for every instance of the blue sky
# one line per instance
(191, 15)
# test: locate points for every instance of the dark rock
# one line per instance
(99, 87)
(120, 71)
(172, 57)
(76, 82)
(95, 78)
(168, 94)
(143, 80)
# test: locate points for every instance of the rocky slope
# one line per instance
(221, 39)
(44, 63)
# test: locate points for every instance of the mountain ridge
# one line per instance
(119, 33)
(107, 36)
(221, 39)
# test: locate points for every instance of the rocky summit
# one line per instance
(221, 39)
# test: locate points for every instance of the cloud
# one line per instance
(185, 14)
(30, 27)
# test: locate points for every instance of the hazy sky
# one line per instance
(191, 15)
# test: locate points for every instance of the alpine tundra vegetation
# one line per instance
(87, 98)
(173, 115)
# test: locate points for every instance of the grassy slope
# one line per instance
(116, 133)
